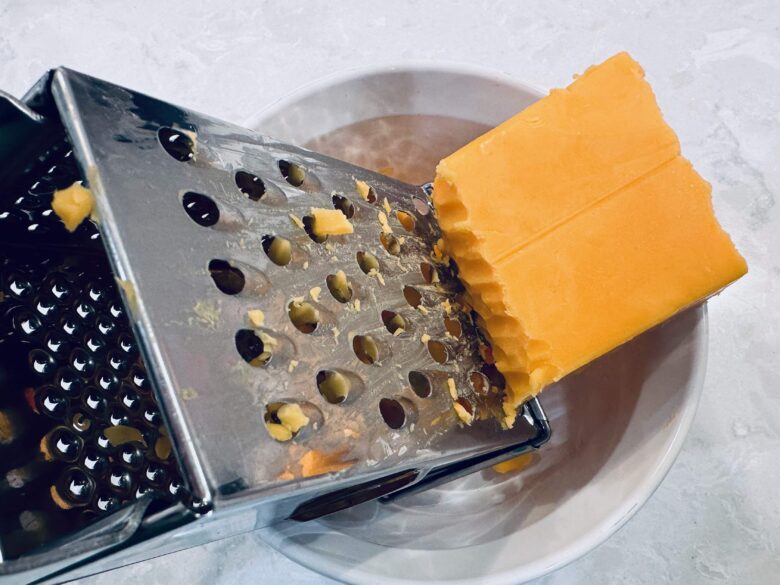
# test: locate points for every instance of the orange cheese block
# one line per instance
(576, 225)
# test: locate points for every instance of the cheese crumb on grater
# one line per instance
(452, 389)
(256, 317)
(363, 189)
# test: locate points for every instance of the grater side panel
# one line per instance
(214, 399)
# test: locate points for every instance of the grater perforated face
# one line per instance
(197, 216)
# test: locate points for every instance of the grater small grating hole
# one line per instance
(292, 173)
(396, 412)
(250, 185)
(201, 208)
(412, 296)
(334, 386)
(421, 206)
(438, 351)
(176, 143)
(340, 288)
(228, 279)
(52, 402)
(278, 250)
(390, 243)
(304, 316)
(308, 227)
(479, 382)
(453, 327)
(428, 272)
(251, 348)
(393, 322)
(406, 220)
(367, 262)
(421, 384)
(344, 205)
(365, 349)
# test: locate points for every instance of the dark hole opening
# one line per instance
(251, 348)
(421, 206)
(229, 279)
(365, 349)
(278, 250)
(367, 262)
(428, 272)
(339, 286)
(390, 243)
(250, 185)
(304, 316)
(393, 321)
(176, 143)
(420, 383)
(333, 386)
(292, 173)
(344, 205)
(201, 209)
(412, 296)
(479, 382)
(453, 327)
(438, 351)
(392, 412)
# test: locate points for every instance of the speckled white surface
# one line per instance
(716, 69)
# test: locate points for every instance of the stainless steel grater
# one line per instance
(196, 215)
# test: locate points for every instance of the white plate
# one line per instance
(617, 425)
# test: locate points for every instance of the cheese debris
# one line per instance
(316, 462)
(514, 464)
(256, 317)
(386, 229)
(464, 415)
(602, 230)
(73, 205)
(291, 420)
(330, 222)
(363, 189)
(451, 387)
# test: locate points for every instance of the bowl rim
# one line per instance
(608, 525)
(344, 76)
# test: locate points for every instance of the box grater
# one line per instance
(236, 307)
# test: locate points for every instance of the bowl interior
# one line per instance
(617, 424)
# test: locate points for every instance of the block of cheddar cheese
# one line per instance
(577, 225)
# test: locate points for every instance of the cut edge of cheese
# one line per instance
(502, 329)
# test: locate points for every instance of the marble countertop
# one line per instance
(716, 68)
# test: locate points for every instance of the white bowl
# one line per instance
(617, 425)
